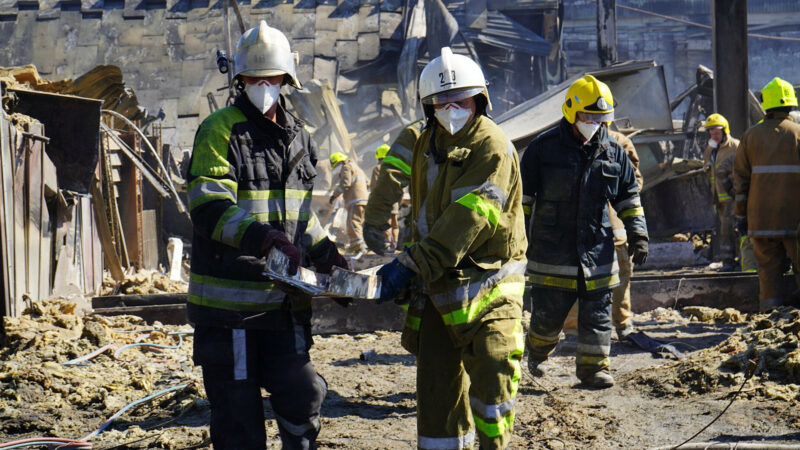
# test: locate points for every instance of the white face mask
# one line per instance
(452, 117)
(263, 95)
(712, 143)
(587, 129)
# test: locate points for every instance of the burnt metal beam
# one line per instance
(729, 42)
(607, 32)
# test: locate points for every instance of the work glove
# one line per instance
(277, 239)
(332, 199)
(376, 238)
(638, 248)
(334, 259)
(394, 277)
(741, 226)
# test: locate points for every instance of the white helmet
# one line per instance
(264, 51)
(450, 78)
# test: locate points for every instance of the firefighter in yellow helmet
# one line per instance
(468, 260)
(767, 182)
(571, 173)
(249, 334)
(352, 185)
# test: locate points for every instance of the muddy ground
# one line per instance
(371, 399)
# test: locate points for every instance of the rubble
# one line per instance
(143, 282)
(771, 340)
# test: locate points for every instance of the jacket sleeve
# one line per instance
(530, 183)
(725, 180)
(477, 200)
(627, 203)
(213, 190)
(630, 150)
(394, 175)
(741, 179)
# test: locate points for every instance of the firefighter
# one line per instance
(719, 164)
(570, 175)
(387, 190)
(766, 171)
(389, 240)
(250, 179)
(353, 184)
(468, 257)
(621, 295)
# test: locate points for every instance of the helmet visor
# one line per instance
(452, 96)
(595, 117)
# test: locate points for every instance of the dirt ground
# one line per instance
(371, 398)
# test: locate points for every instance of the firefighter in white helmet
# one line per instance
(250, 182)
(467, 262)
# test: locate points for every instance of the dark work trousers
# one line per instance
(550, 308)
(237, 363)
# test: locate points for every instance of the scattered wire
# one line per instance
(49, 441)
(749, 372)
(131, 405)
(89, 356)
(149, 345)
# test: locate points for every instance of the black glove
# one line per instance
(375, 239)
(277, 239)
(332, 199)
(394, 277)
(741, 226)
(334, 259)
(638, 248)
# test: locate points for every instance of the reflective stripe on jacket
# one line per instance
(468, 228)
(395, 174)
(247, 176)
(569, 187)
(767, 177)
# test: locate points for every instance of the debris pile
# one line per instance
(62, 375)
(143, 282)
(706, 314)
(771, 340)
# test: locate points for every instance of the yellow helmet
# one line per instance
(777, 93)
(591, 96)
(717, 120)
(337, 158)
(381, 152)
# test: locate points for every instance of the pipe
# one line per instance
(60, 442)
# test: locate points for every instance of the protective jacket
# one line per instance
(767, 177)
(248, 175)
(720, 161)
(618, 228)
(571, 186)
(469, 234)
(352, 183)
(395, 174)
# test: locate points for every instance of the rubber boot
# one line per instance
(598, 380)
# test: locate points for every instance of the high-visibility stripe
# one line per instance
(593, 349)
(399, 163)
(638, 211)
(540, 340)
(724, 197)
(494, 429)
(204, 189)
(553, 269)
(413, 322)
(210, 154)
(605, 269)
(231, 226)
(526, 209)
(401, 150)
(464, 293)
(474, 308)
(239, 354)
(234, 294)
(591, 360)
(278, 216)
(490, 411)
(553, 281)
(480, 206)
(771, 233)
(630, 202)
(600, 283)
(776, 168)
(447, 443)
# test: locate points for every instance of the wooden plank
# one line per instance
(33, 228)
(115, 301)
(6, 219)
(166, 314)
(67, 279)
(112, 261)
(149, 240)
(20, 219)
(49, 187)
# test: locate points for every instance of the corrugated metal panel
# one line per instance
(503, 32)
